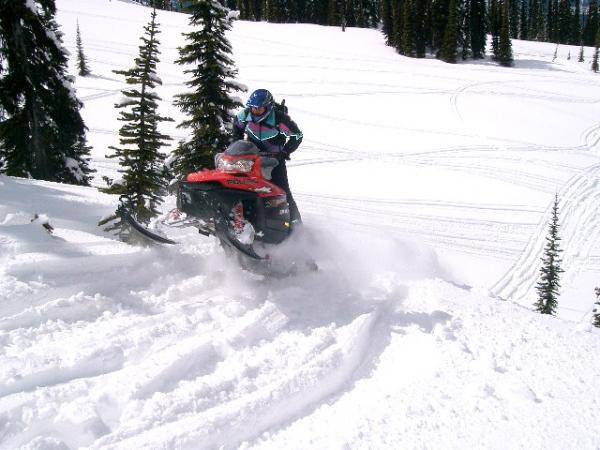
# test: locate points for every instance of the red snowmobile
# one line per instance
(236, 202)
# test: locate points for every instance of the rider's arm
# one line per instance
(239, 128)
(292, 132)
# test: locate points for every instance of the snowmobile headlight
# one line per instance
(240, 165)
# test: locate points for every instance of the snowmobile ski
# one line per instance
(124, 214)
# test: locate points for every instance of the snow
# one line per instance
(426, 188)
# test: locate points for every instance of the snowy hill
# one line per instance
(429, 187)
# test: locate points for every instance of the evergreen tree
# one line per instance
(478, 35)
(514, 16)
(580, 59)
(439, 24)
(397, 23)
(209, 106)
(495, 19)
(552, 21)
(549, 283)
(139, 154)
(564, 22)
(256, 7)
(505, 57)
(243, 8)
(449, 49)
(361, 17)
(420, 36)
(274, 12)
(596, 311)
(82, 66)
(576, 25)
(42, 135)
(333, 17)
(464, 29)
(386, 21)
(595, 67)
(591, 25)
(524, 22)
(408, 30)
(537, 24)
(343, 11)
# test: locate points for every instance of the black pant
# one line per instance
(280, 178)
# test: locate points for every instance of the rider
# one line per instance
(267, 125)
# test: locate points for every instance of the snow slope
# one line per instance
(428, 187)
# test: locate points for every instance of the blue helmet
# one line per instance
(261, 98)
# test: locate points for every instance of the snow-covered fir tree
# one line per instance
(210, 105)
(82, 65)
(549, 283)
(139, 153)
(42, 134)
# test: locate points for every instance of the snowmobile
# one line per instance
(236, 202)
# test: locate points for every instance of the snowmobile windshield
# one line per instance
(240, 148)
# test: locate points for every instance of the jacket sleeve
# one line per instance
(292, 132)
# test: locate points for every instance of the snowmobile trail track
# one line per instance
(578, 208)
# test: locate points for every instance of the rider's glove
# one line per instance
(284, 155)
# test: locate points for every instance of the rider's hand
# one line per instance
(284, 155)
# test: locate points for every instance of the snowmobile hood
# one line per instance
(240, 182)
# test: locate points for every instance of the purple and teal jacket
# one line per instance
(276, 133)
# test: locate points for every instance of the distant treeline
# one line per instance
(436, 27)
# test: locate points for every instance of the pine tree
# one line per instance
(564, 22)
(495, 27)
(449, 50)
(552, 25)
(464, 29)
(420, 38)
(439, 23)
(591, 25)
(397, 23)
(139, 154)
(408, 30)
(595, 67)
(581, 58)
(43, 134)
(576, 25)
(596, 311)
(333, 17)
(82, 65)
(478, 36)
(555, 53)
(549, 284)
(524, 23)
(537, 25)
(209, 106)
(505, 57)
(513, 6)
(386, 21)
